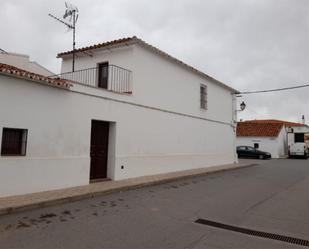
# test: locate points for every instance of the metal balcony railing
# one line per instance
(110, 77)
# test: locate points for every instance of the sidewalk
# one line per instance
(49, 198)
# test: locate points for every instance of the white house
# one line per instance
(266, 135)
(128, 110)
(23, 61)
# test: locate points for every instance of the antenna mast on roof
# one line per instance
(72, 12)
(2, 51)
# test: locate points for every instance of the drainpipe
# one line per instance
(235, 111)
(234, 121)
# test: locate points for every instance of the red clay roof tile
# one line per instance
(15, 71)
(262, 128)
(100, 45)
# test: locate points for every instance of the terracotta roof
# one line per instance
(17, 72)
(99, 45)
(262, 128)
(276, 121)
(135, 40)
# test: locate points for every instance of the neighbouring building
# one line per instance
(128, 110)
(266, 135)
(23, 61)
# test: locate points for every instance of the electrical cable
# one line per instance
(275, 90)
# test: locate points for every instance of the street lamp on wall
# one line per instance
(242, 106)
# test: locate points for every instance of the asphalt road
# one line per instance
(271, 197)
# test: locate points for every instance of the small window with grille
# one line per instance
(203, 97)
(14, 142)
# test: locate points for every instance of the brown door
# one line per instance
(99, 149)
(103, 75)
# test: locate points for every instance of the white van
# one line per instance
(297, 145)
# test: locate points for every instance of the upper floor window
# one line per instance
(14, 142)
(203, 96)
(103, 75)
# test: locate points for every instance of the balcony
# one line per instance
(105, 76)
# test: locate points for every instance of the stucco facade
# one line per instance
(159, 128)
(277, 146)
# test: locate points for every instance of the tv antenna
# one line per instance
(71, 12)
(2, 51)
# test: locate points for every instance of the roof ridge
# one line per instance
(269, 121)
(98, 45)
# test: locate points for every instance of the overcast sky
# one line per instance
(247, 44)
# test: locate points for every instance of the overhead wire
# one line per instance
(275, 90)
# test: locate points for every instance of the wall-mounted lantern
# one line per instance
(243, 106)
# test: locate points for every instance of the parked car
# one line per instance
(251, 152)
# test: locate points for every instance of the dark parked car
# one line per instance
(250, 152)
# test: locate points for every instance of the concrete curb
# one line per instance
(57, 201)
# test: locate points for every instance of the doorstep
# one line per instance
(20, 203)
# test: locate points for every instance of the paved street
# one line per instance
(271, 197)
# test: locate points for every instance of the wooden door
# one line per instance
(99, 149)
(103, 75)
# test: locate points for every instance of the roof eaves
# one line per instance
(105, 45)
(12, 71)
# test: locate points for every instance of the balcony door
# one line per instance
(103, 75)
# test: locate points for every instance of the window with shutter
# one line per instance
(14, 142)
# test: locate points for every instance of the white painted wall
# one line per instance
(159, 129)
(159, 83)
(23, 62)
(274, 145)
(58, 121)
(282, 143)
